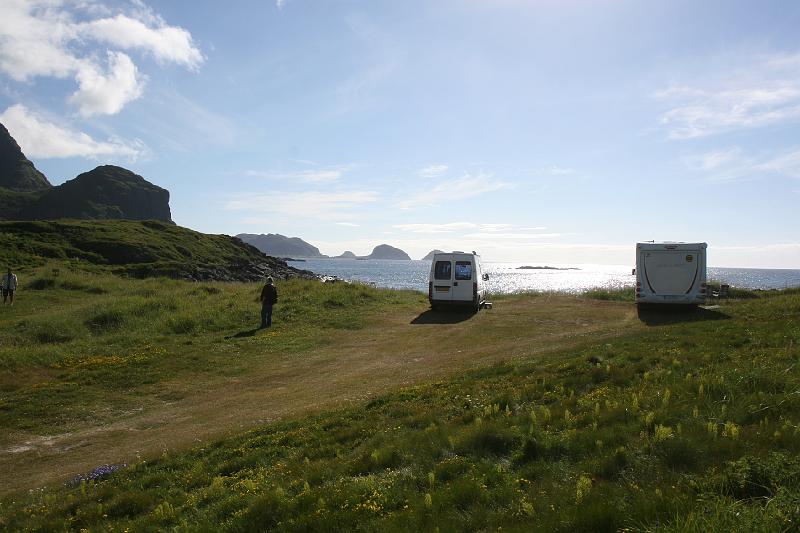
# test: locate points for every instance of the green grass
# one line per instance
(73, 340)
(688, 425)
(134, 248)
(616, 295)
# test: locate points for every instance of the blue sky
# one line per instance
(532, 131)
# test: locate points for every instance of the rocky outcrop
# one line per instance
(17, 173)
(384, 251)
(430, 255)
(278, 245)
(346, 255)
(107, 192)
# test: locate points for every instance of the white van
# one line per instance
(457, 279)
(671, 273)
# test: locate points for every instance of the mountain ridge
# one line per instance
(17, 172)
(278, 245)
(106, 192)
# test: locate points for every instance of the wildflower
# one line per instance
(582, 488)
(635, 402)
(730, 430)
(662, 433)
(100, 472)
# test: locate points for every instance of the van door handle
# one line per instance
(455, 284)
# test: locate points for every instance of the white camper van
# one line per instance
(457, 279)
(671, 273)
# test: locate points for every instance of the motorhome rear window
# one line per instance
(463, 270)
(442, 270)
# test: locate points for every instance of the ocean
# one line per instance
(509, 278)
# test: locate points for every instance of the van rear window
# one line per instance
(442, 270)
(463, 270)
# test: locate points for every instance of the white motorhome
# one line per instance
(671, 273)
(457, 278)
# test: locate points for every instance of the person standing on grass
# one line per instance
(9, 286)
(269, 297)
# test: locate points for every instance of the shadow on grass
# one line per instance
(662, 315)
(246, 333)
(446, 316)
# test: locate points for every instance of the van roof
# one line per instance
(456, 253)
(671, 245)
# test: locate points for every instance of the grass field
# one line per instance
(360, 409)
(139, 249)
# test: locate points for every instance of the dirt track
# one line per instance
(391, 352)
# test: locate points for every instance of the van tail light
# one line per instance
(703, 288)
(475, 290)
(430, 290)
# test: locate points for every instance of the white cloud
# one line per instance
(555, 170)
(41, 38)
(462, 188)
(715, 160)
(762, 92)
(107, 94)
(348, 224)
(712, 113)
(319, 175)
(512, 236)
(40, 138)
(280, 3)
(432, 171)
(733, 165)
(475, 232)
(329, 206)
(168, 44)
(449, 227)
(787, 164)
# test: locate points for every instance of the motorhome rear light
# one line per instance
(474, 289)
(430, 289)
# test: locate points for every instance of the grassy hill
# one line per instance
(135, 248)
(363, 410)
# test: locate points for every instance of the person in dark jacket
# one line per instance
(9, 285)
(269, 297)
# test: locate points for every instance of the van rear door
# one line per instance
(670, 272)
(442, 280)
(463, 276)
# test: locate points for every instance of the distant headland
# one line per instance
(277, 245)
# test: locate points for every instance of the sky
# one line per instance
(538, 131)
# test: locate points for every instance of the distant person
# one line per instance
(269, 297)
(9, 286)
